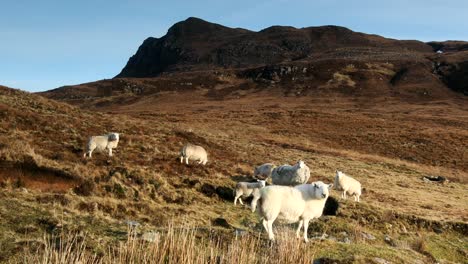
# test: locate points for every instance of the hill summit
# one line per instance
(195, 43)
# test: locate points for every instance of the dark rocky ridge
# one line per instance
(195, 43)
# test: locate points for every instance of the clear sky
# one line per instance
(45, 44)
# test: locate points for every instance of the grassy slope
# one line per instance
(145, 182)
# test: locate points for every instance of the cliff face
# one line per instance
(195, 43)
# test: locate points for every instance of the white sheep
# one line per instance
(100, 143)
(348, 185)
(246, 189)
(263, 171)
(193, 152)
(301, 203)
(291, 175)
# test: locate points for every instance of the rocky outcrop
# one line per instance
(197, 44)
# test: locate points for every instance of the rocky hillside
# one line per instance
(48, 188)
(195, 43)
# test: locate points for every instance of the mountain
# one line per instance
(195, 43)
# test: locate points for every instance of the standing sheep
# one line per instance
(193, 152)
(246, 189)
(348, 185)
(291, 175)
(109, 142)
(293, 204)
(263, 171)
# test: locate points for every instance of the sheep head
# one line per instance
(339, 174)
(113, 136)
(300, 164)
(320, 190)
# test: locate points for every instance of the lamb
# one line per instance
(263, 171)
(109, 142)
(193, 152)
(293, 204)
(348, 185)
(246, 189)
(291, 175)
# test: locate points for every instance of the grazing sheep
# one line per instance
(193, 152)
(348, 185)
(246, 189)
(293, 204)
(109, 142)
(291, 175)
(263, 171)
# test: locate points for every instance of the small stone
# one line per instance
(240, 232)
(151, 236)
(381, 261)
(368, 236)
(389, 240)
(346, 240)
(132, 224)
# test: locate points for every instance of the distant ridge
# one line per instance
(195, 43)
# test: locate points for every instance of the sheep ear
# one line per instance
(330, 186)
(315, 185)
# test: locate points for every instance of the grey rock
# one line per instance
(240, 232)
(388, 239)
(343, 233)
(132, 224)
(381, 261)
(368, 236)
(151, 236)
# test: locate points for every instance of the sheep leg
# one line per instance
(238, 195)
(299, 228)
(306, 226)
(240, 200)
(265, 224)
(186, 160)
(344, 195)
(204, 162)
(253, 204)
(271, 236)
(357, 198)
(110, 152)
(181, 159)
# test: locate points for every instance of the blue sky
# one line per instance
(45, 44)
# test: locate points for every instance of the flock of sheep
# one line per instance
(289, 197)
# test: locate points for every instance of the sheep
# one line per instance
(109, 142)
(301, 203)
(348, 185)
(246, 189)
(291, 175)
(193, 152)
(263, 171)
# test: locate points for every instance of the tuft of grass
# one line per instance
(175, 245)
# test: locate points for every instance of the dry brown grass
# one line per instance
(176, 245)
(388, 148)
